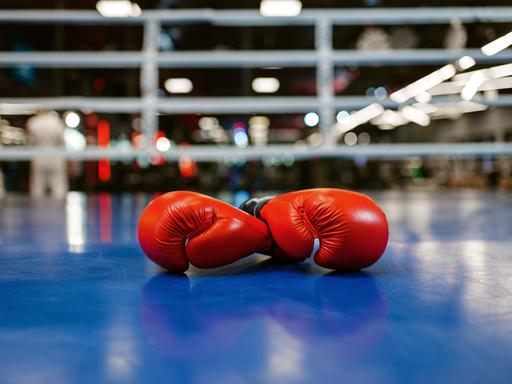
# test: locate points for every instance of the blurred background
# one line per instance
(154, 95)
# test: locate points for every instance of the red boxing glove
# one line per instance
(181, 227)
(344, 230)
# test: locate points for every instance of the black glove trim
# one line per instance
(253, 206)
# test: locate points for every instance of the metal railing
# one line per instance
(323, 57)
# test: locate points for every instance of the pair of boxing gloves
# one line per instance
(342, 230)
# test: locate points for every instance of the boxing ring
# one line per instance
(80, 303)
(323, 58)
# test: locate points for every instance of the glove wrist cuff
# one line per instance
(253, 206)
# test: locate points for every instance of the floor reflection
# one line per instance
(76, 221)
(81, 304)
(291, 326)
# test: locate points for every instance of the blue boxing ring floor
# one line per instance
(79, 303)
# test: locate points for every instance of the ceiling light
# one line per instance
(357, 118)
(163, 144)
(497, 45)
(71, 119)
(241, 139)
(280, 8)
(465, 62)
(423, 97)
(389, 118)
(454, 110)
(490, 73)
(424, 84)
(311, 119)
(178, 85)
(471, 88)
(265, 85)
(425, 107)
(415, 115)
(118, 8)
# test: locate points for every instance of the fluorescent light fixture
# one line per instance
(470, 106)
(265, 85)
(497, 45)
(499, 71)
(357, 118)
(454, 87)
(491, 94)
(415, 115)
(71, 119)
(465, 62)
(471, 88)
(280, 8)
(136, 11)
(425, 107)
(494, 84)
(178, 85)
(311, 119)
(454, 110)
(389, 119)
(423, 97)
(118, 8)
(448, 88)
(424, 84)
(490, 73)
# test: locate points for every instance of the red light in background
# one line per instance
(91, 120)
(239, 125)
(138, 140)
(133, 137)
(188, 167)
(98, 84)
(157, 135)
(157, 159)
(103, 133)
(104, 173)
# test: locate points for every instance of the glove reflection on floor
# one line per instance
(295, 318)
